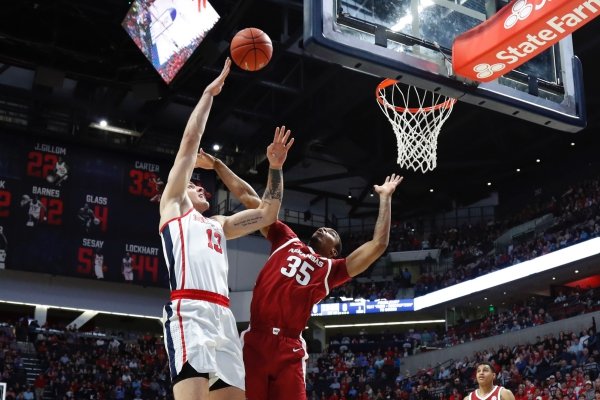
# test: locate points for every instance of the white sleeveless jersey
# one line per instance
(60, 169)
(127, 263)
(196, 253)
(35, 208)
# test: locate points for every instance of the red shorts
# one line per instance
(275, 365)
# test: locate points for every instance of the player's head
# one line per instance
(326, 242)
(485, 374)
(198, 196)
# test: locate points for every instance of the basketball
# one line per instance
(251, 49)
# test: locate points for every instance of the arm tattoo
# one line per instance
(248, 221)
(274, 190)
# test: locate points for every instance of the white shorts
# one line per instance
(204, 335)
(99, 271)
(128, 274)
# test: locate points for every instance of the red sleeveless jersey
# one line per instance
(293, 279)
(493, 395)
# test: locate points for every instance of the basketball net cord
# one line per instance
(416, 128)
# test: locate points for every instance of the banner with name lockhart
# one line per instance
(517, 33)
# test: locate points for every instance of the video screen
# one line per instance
(168, 31)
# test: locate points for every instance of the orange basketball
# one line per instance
(251, 49)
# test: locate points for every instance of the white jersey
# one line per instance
(99, 266)
(35, 208)
(201, 333)
(196, 253)
(127, 268)
(60, 168)
(127, 264)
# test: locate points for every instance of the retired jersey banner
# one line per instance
(82, 212)
(517, 33)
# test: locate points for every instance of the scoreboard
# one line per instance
(362, 306)
(82, 212)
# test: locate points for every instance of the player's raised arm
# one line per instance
(183, 166)
(248, 221)
(236, 185)
(361, 258)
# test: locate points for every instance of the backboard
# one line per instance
(411, 41)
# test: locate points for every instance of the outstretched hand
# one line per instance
(214, 88)
(205, 160)
(388, 187)
(277, 151)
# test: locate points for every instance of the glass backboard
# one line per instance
(411, 41)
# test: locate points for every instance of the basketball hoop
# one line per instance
(416, 128)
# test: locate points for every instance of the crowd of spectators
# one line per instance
(12, 371)
(558, 367)
(86, 365)
(537, 311)
(471, 248)
(97, 365)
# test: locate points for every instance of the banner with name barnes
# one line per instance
(82, 212)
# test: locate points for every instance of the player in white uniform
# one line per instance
(205, 354)
(60, 173)
(127, 267)
(35, 209)
(99, 264)
(3, 247)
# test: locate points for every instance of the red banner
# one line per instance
(520, 31)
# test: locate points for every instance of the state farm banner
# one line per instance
(517, 33)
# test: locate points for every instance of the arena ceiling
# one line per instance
(65, 64)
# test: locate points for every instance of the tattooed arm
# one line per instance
(248, 221)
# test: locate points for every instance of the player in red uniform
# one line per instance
(295, 277)
(485, 376)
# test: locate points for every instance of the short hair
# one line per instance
(489, 364)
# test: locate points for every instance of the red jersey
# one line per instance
(293, 279)
(495, 394)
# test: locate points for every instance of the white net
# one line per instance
(416, 128)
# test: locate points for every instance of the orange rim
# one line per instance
(389, 82)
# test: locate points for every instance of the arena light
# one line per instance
(427, 321)
(519, 271)
(80, 310)
(104, 126)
